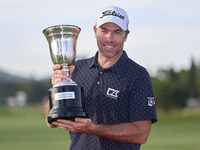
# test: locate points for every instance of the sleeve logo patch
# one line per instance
(151, 101)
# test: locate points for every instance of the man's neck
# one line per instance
(105, 62)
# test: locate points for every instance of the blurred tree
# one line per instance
(7, 88)
(173, 89)
(172, 74)
(192, 77)
(197, 81)
(36, 90)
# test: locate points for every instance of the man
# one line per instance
(118, 92)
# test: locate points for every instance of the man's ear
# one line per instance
(94, 28)
(127, 32)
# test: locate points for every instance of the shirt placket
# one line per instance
(98, 92)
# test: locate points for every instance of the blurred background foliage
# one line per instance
(177, 89)
(171, 89)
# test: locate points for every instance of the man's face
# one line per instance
(110, 39)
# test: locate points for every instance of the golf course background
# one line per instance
(26, 130)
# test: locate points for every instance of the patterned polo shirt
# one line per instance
(119, 94)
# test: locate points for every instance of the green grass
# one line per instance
(177, 132)
(28, 131)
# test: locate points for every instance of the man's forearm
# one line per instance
(135, 132)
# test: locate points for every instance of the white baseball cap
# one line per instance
(115, 15)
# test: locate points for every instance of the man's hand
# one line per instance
(50, 125)
(59, 75)
(80, 125)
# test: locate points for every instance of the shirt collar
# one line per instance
(94, 61)
(116, 67)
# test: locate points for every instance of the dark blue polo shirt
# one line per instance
(119, 94)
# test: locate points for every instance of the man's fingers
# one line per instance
(71, 69)
(57, 67)
(54, 81)
(60, 75)
(63, 125)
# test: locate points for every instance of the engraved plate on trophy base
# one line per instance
(65, 105)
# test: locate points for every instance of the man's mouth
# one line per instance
(108, 46)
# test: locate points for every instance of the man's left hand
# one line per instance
(80, 125)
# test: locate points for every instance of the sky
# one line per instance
(163, 33)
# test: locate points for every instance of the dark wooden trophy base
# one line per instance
(65, 102)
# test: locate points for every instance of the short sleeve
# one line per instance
(142, 103)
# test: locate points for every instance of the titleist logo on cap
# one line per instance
(113, 13)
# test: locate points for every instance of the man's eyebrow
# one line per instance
(117, 30)
(103, 28)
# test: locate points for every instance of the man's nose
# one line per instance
(109, 37)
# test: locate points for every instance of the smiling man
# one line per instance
(110, 40)
(117, 92)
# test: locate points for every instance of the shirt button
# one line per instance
(100, 72)
(98, 82)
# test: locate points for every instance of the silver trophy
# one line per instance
(65, 98)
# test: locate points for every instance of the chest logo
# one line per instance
(112, 93)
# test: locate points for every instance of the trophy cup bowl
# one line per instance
(65, 98)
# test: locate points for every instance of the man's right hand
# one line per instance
(59, 75)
